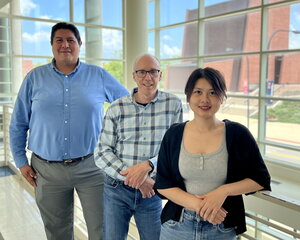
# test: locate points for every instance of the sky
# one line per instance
(36, 35)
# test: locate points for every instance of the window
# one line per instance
(25, 29)
(256, 45)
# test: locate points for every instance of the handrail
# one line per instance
(271, 197)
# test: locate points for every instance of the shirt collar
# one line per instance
(56, 69)
(135, 90)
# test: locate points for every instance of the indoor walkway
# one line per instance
(20, 218)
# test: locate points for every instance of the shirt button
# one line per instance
(67, 89)
(65, 154)
(66, 139)
(144, 138)
(66, 76)
(66, 105)
(145, 123)
(66, 121)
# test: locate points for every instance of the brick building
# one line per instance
(234, 35)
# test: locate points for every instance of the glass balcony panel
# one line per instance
(237, 34)
(283, 155)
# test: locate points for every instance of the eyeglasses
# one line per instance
(143, 73)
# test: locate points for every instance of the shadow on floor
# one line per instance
(4, 172)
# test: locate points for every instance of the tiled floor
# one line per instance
(19, 215)
(20, 218)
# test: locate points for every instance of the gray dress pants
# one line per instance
(55, 196)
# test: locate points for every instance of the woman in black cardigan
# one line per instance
(204, 167)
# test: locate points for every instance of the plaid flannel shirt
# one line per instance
(132, 133)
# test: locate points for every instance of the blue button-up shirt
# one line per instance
(61, 113)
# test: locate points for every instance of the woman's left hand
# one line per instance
(212, 203)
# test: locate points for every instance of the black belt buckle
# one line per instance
(72, 160)
(69, 160)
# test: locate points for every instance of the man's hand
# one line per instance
(136, 175)
(29, 174)
(147, 188)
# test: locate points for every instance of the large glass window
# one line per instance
(284, 32)
(54, 9)
(25, 29)
(181, 8)
(283, 75)
(241, 73)
(235, 34)
(100, 12)
(213, 7)
(175, 42)
(35, 38)
(256, 45)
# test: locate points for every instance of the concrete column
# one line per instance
(136, 35)
(93, 36)
(16, 45)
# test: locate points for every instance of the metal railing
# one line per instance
(259, 227)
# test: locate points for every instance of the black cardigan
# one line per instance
(244, 161)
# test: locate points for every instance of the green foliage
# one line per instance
(288, 111)
(115, 68)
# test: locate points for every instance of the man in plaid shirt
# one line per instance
(128, 147)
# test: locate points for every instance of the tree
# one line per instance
(115, 68)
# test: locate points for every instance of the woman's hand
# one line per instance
(211, 204)
(219, 216)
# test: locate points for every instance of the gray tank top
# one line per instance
(203, 173)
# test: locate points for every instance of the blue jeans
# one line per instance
(121, 202)
(193, 227)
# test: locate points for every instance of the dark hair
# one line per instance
(213, 76)
(64, 25)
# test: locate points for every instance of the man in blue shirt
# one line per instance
(60, 107)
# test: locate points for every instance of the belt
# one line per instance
(71, 160)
